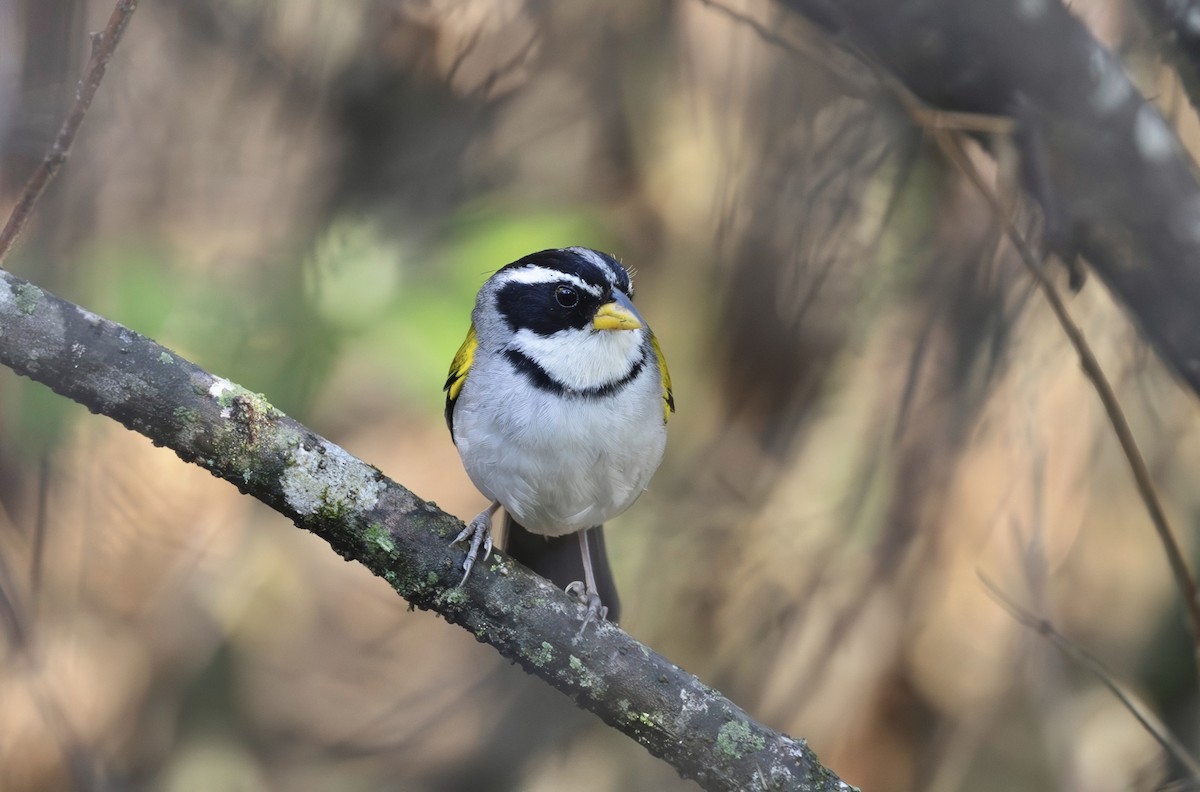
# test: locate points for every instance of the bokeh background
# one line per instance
(876, 412)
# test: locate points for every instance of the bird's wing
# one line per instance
(668, 395)
(459, 369)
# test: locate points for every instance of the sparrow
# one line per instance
(558, 402)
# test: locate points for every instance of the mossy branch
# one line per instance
(366, 517)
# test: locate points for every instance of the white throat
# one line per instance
(583, 359)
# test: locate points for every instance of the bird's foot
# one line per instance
(479, 530)
(596, 610)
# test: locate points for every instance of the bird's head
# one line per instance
(569, 311)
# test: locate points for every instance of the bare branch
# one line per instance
(103, 46)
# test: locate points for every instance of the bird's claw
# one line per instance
(479, 530)
(596, 610)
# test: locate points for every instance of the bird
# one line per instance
(558, 402)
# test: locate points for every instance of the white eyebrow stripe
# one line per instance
(535, 274)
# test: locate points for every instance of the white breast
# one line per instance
(558, 463)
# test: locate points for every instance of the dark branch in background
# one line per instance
(1113, 183)
(103, 46)
(1090, 365)
(238, 436)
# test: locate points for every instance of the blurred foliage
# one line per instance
(305, 196)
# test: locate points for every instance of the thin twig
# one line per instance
(103, 46)
(1085, 658)
(950, 145)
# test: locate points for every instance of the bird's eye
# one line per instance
(566, 296)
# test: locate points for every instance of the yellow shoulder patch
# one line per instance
(668, 395)
(459, 368)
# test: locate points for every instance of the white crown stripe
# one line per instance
(607, 265)
(595, 258)
(534, 274)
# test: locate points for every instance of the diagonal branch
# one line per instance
(1043, 627)
(366, 517)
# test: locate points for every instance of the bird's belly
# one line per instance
(562, 468)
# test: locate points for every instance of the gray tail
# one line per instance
(558, 559)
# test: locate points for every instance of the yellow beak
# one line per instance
(617, 315)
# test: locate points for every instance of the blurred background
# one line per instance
(875, 410)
